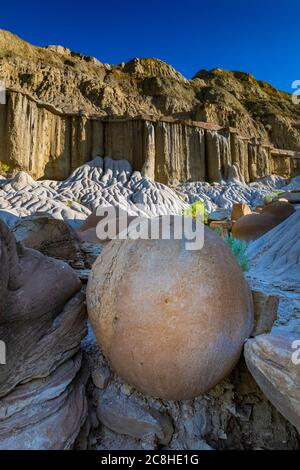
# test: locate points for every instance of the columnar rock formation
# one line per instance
(42, 322)
(47, 143)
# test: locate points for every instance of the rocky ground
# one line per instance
(256, 407)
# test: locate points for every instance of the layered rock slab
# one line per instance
(270, 360)
(42, 322)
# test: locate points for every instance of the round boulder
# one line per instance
(170, 321)
(252, 226)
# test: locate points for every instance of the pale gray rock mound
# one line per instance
(104, 181)
(275, 257)
(101, 182)
(225, 194)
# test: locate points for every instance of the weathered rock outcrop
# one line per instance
(74, 83)
(64, 108)
(42, 322)
(101, 182)
(50, 236)
(50, 144)
(270, 360)
(168, 319)
(125, 415)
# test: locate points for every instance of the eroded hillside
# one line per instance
(70, 82)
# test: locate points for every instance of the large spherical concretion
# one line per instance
(171, 322)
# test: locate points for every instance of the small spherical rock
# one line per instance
(252, 226)
(171, 322)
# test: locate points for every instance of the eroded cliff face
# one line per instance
(74, 83)
(64, 108)
(50, 144)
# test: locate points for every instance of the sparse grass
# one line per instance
(238, 248)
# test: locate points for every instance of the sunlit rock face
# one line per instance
(172, 322)
(63, 108)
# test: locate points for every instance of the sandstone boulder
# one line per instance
(88, 230)
(239, 210)
(222, 227)
(172, 322)
(50, 236)
(252, 226)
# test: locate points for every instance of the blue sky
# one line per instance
(257, 36)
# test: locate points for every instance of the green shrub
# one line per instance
(4, 169)
(238, 248)
(197, 210)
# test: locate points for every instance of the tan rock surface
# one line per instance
(239, 210)
(265, 309)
